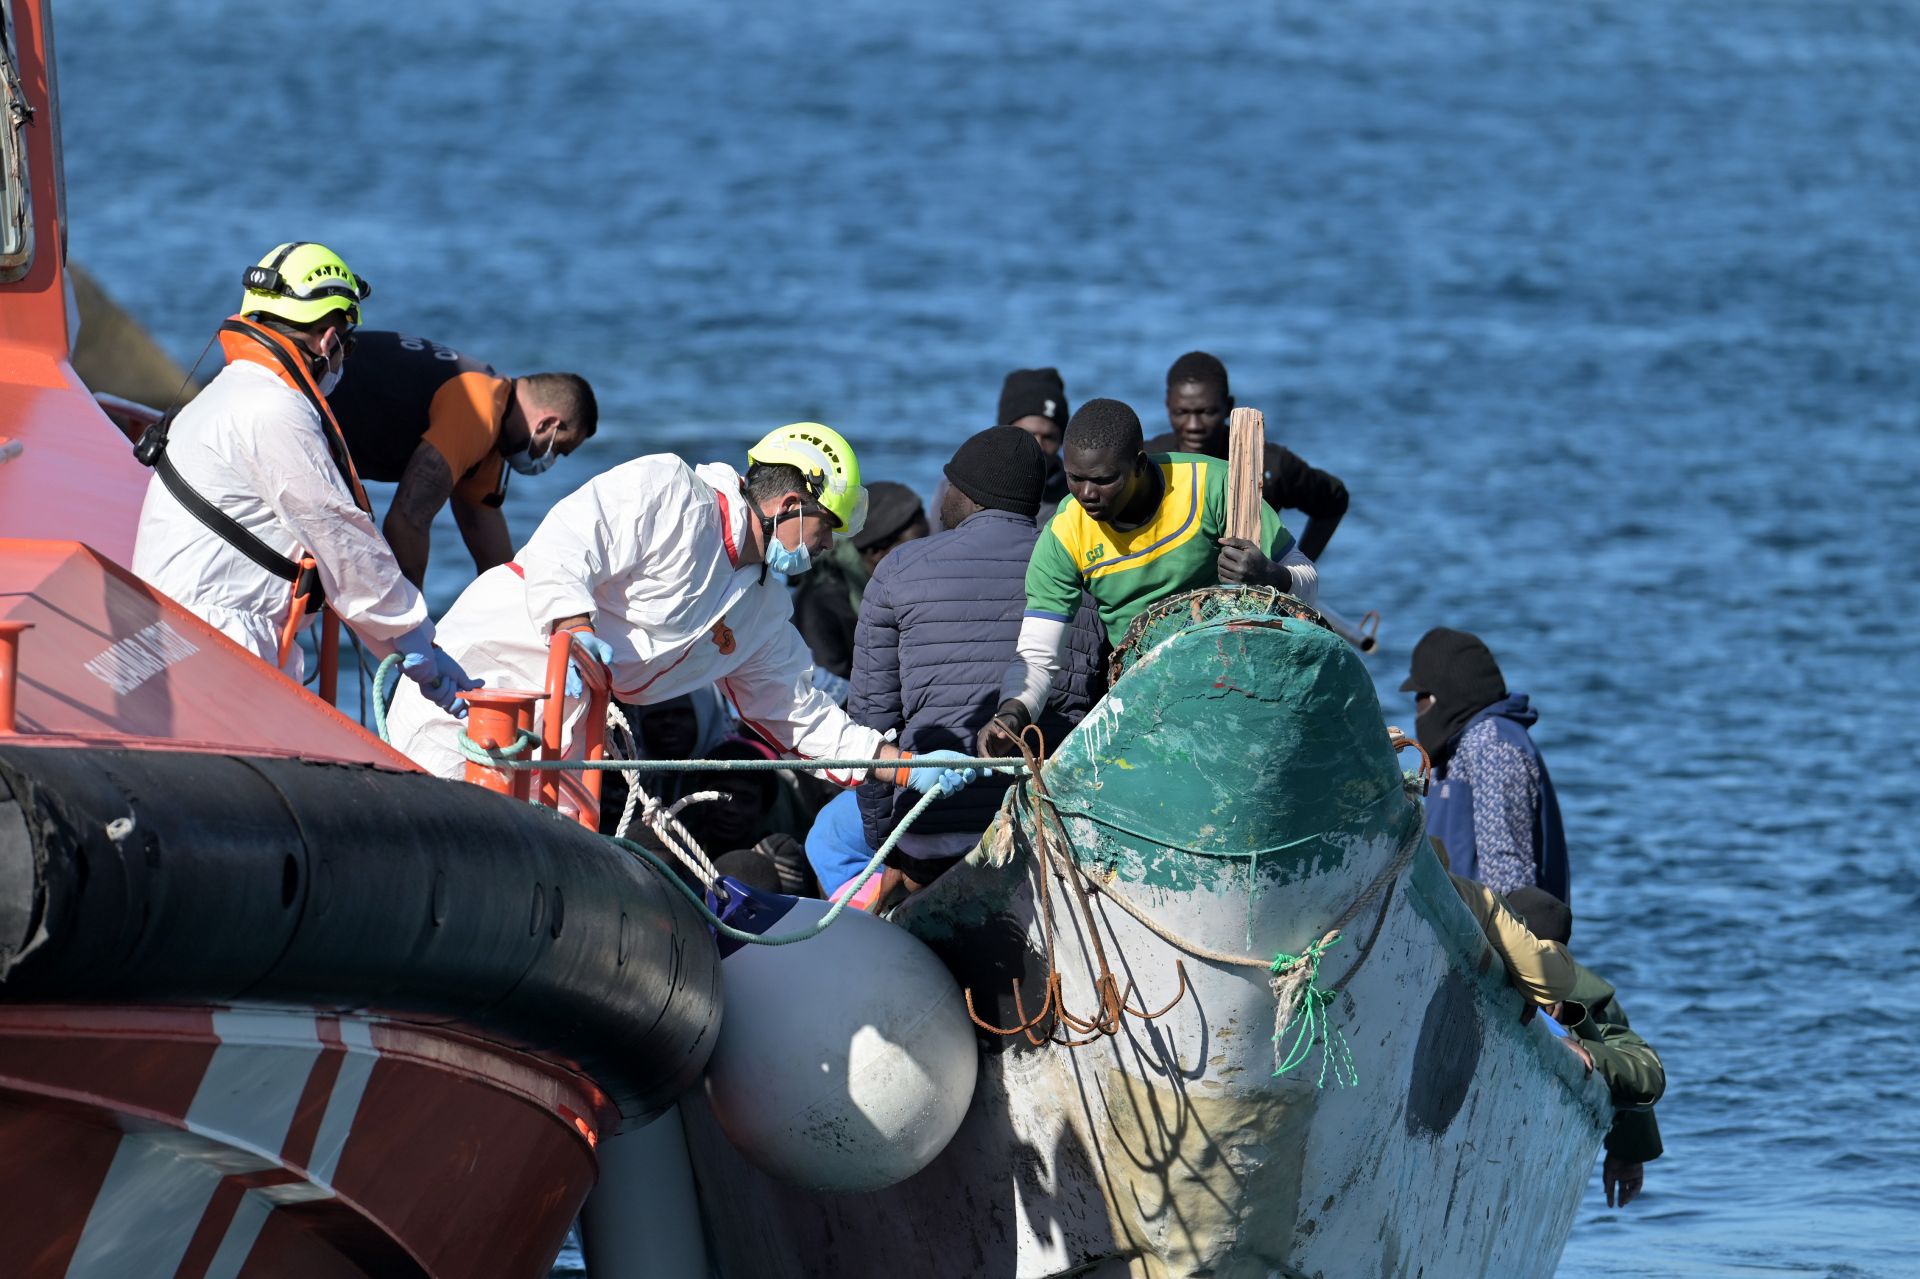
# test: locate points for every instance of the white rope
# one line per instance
(663, 821)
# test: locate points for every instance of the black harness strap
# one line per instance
(336, 443)
(153, 445)
(229, 530)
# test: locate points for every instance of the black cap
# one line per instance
(1546, 916)
(1002, 469)
(890, 508)
(1034, 393)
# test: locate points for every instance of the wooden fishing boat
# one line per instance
(272, 1002)
(1234, 799)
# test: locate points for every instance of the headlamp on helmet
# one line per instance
(301, 282)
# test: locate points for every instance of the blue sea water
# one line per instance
(1608, 314)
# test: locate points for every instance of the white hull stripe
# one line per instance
(159, 1186)
(241, 1232)
(155, 1192)
(253, 1084)
(349, 1086)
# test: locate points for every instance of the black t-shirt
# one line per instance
(385, 399)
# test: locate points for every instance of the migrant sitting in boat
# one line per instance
(1139, 528)
(1609, 1044)
(446, 428)
(1529, 930)
(1492, 801)
(938, 626)
(1035, 400)
(255, 515)
(826, 599)
(1198, 405)
(662, 573)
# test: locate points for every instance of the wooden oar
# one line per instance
(1246, 469)
(1246, 465)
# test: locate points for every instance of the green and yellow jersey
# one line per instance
(1127, 570)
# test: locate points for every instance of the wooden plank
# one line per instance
(1246, 464)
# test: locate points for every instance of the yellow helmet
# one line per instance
(300, 282)
(824, 457)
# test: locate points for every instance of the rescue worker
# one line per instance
(1138, 528)
(663, 572)
(1198, 406)
(255, 514)
(444, 426)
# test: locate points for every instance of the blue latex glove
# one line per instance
(596, 648)
(942, 781)
(439, 678)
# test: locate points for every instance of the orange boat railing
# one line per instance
(500, 719)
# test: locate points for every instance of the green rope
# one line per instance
(1309, 1022)
(818, 926)
(383, 693)
(504, 757)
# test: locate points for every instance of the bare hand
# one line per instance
(1242, 563)
(1580, 1051)
(1622, 1180)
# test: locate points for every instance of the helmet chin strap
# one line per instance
(767, 524)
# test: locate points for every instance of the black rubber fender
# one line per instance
(171, 877)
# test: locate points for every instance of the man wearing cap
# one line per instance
(1608, 1043)
(255, 514)
(1035, 400)
(1492, 801)
(938, 625)
(663, 573)
(826, 601)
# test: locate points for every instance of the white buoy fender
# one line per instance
(845, 1062)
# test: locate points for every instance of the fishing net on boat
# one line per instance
(1207, 607)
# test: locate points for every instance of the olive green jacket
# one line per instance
(1626, 1061)
(1542, 970)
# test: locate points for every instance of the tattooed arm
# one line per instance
(485, 530)
(423, 490)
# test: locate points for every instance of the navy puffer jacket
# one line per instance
(937, 631)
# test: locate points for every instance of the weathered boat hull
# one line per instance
(1237, 788)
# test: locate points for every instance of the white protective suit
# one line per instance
(254, 447)
(650, 551)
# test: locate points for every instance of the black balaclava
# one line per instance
(1464, 679)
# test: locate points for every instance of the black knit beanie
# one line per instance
(1034, 393)
(1002, 469)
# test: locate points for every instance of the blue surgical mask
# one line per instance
(526, 463)
(789, 562)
